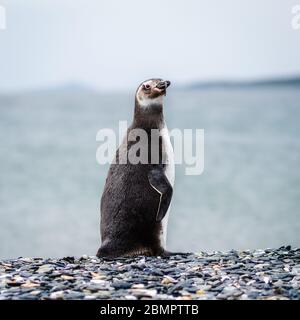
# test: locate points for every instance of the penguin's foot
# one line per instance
(115, 253)
(109, 252)
(166, 254)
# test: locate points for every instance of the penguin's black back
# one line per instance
(129, 207)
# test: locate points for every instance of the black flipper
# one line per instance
(161, 184)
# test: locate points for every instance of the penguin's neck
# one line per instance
(148, 117)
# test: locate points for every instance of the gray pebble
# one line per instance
(259, 274)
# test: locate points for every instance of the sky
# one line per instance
(114, 44)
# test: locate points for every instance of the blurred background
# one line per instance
(70, 68)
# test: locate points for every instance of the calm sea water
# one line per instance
(247, 197)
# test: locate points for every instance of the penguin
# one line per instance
(135, 203)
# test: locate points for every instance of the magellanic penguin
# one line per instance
(136, 198)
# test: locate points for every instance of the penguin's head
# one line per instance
(151, 92)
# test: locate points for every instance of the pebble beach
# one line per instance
(270, 274)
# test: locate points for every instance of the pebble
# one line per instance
(138, 286)
(45, 268)
(168, 280)
(151, 293)
(269, 274)
(57, 295)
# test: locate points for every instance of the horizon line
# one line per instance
(290, 79)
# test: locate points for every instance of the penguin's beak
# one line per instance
(163, 85)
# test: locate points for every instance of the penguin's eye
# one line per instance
(146, 86)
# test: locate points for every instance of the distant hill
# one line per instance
(65, 89)
(82, 90)
(288, 81)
